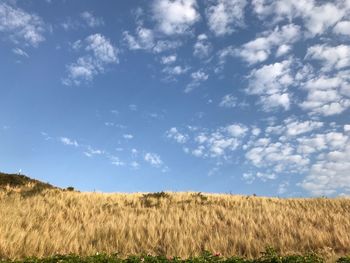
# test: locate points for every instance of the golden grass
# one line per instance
(182, 224)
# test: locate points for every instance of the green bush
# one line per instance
(153, 199)
(344, 259)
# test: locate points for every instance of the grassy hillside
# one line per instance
(173, 224)
(19, 180)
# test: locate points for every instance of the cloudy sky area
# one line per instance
(218, 96)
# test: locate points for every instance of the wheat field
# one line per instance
(181, 224)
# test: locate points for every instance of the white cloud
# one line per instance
(282, 187)
(278, 156)
(134, 165)
(175, 16)
(168, 59)
(291, 128)
(331, 170)
(91, 152)
(115, 160)
(164, 45)
(82, 70)
(100, 53)
(256, 131)
(271, 83)
(21, 25)
(250, 177)
(197, 78)
(295, 127)
(102, 48)
(91, 20)
(342, 28)
(128, 136)
(236, 130)
(283, 50)
(67, 141)
(202, 47)
(266, 176)
(175, 70)
(337, 57)
(259, 49)
(20, 52)
(144, 39)
(224, 16)
(86, 19)
(322, 17)
(326, 95)
(228, 101)
(218, 143)
(322, 157)
(317, 18)
(153, 159)
(174, 134)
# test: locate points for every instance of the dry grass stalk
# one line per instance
(181, 224)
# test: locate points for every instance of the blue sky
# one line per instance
(215, 96)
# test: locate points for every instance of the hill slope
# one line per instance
(182, 224)
(18, 180)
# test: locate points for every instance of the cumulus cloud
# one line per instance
(91, 20)
(270, 83)
(168, 59)
(336, 57)
(202, 47)
(317, 151)
(292, 127)
(282, 187)
(115, 160)
(21, 25)
(128, 136)
(295, 127)
(278, 156)
(327, 95)
(67, 141)
(342, 28)
(224, 16)
(259, 49)
(90, 152)
(306, 148)
(153, 159)
(331, 170)
(164, 45)
(317, 17)
(175, 70)
(175, 16)
(174, 134)
(100, 53)
(197, 78)
(250, 177)
(85, 19)
(144, 39)
(20, 52)
(218, 143)
(228, 101)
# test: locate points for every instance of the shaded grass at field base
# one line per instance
(268, 256)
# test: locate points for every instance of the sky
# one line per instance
(227, 96)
